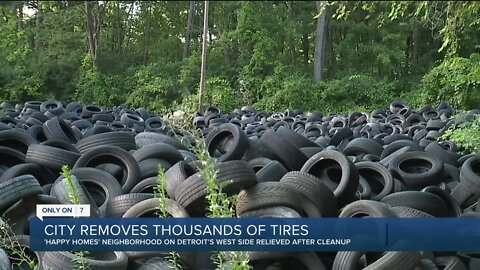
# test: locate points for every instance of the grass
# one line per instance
(79, 261)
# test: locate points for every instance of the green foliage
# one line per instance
(456, 80)
(220, 93)
(73, 193)
(465, 135)
(18, 254)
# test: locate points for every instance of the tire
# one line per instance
(158, 150)
(276, 212)
(115, 155)
(362, 146)
(123, 140)
(5, 263)
(462, 195)
(147, 138)
(17, 188)
(118, 205)
(294, 138)
(378, 177)
(394, 146)
(61, 190)
(229, 140)
(258, 163)
(364, 190)
(56, 128)
(190, 194)
(314, 191)
(60, 144)
(176, 175)
(367, 208)
(150, 208)
(19, 213)
(42, 174)
(289, 155)
(50, 157)
(424, 201)
(256, 148)
(53, 106)
(436, 150)
(450, 263)
(17, 140)
(338, 171)
(101, 185)
(65, 260)
(267, 194)
(149, 167)
(272, 172)
(154, 124)
(453, 208)
(396, 260)
(417, 169)
(470, 174)
(147, 185)
(407, 212)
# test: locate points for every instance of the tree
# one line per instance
(94, 15)
(320, 40)
(186, 46)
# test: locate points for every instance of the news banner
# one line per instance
(57, 228)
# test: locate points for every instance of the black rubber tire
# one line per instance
(330, 164)
(312, 189)
(56, 128)
(158, 150)
(229, 140)
(50, 157)
(17, 188)
(176, 175)
(61, 191)
(190, 194)
(65, 259)
(367, 208)
(258, 163)
(117, 156)
(147, 185)
(349, 260)
(310, 151)
(256, 148)
(294, 138)
(378, 177)
(146, 138)
(150, 208)
(289, 155)
(98, 181)
(446, 156)
(417, 169)
(5, 263)
(462, 195)
(408, 212)
(19, 213)
(17, 140)
(267, 194)
(470, 174)
(450, 263)
(394, 146)
(362, 146)
(453, 208)
(273, 172)
(10, 157)
(149, 167)
(364, 191)
(118, 205)
(276, 212)
(120, 139)
(424, 201)
(60, 144)
(340, 135)
(42, 174)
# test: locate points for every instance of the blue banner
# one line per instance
(255, 234)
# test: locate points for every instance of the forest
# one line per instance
(314, 55)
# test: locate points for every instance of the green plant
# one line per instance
(15, 250)
(161, 194)
(79, 261)
(466, 134)
(219, 206)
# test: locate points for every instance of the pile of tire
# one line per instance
(387, 163)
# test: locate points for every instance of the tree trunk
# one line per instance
(146, 33)
(201, 98)
(19, 10)
(38, 26)
(94, 16)
(320, 41)
(416, 42)
(305, 48)
(186, 46)
(291, 38)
